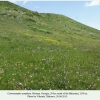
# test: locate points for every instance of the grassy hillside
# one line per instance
(46, 51)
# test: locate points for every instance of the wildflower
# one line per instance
(19, 64)
(30, 75)
(13, 79)
(1, 71)
(98, 79)
(13, 74)
(20, 84)
(32, 81)
(31, 64)
(70, 86)
(43, 68)
(65, 87)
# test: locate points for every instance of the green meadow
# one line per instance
(43, 51)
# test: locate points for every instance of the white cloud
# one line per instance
(25, 1)
(13, 1)
(93, 3)
(37, 7)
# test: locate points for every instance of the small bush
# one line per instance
(41, 30)
(49, 32)
(30, 19)
(3, 13)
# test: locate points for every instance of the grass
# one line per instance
(46, 51)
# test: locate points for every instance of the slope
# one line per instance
(46, 51)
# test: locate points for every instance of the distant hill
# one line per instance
(46, 51)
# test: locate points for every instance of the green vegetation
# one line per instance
(46, 51)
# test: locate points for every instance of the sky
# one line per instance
(86, 12)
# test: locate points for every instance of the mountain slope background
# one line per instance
(46, 51)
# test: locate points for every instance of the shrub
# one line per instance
(49, 32)
(41, 30)
(30, 19)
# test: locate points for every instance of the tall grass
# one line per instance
(32, 58)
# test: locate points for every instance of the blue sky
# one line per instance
(86, 12)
